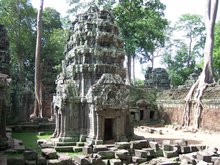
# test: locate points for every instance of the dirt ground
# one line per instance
(175, 133)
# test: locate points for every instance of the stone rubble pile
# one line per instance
(133, 152)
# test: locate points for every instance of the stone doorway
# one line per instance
(108, 129)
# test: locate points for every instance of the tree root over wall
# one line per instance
(196, 91)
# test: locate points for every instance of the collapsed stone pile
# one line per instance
(133, 152)
(157, 78)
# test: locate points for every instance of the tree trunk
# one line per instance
(133, 69)
(128, 69)
(206, 76)
(38, 91)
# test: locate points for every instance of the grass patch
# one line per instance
(30, 139)
(14, 155)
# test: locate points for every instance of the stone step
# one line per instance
(64, 148)
(77, 149)
(18, 145)
(66, 143)
(80, 144)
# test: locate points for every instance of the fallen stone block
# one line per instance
(214, 158)
(15, 161)
(49, 153)
(150, 151)
(96, 161)
(185, 149)
(168, 163)
(79, 159)
(106, 154)
(212, 151)
(67, 139)
(201, 162)
(63, 148)
(138, 160)
(46, 144)
(98, 148)
(123, 145)
(30, 155)
(154, 145)
(217, 162)
(87, 150)
(41, 141)
(170, 154)
(144, 153)
(80, 144)
(54, 162)
(202, 155)
(122, 154)
(30, 162)
(181, 142)
(41, 133)
(65, 160)
(115, 162)
(158, 153)
(65, 143)
(139, 144)
(189, 158)
(167, 147)
(140, 153)
(195, 148)
(41, 161)
(77, 149)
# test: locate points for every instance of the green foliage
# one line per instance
(216, 52)
(139, 83)
(19, 19)
(142, 93)
(181, 55)
(142, 26)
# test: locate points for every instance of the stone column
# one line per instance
(56, 131)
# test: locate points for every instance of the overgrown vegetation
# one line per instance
(30, 139)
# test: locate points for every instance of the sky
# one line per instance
(174, 9)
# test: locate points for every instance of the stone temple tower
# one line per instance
(91, 101)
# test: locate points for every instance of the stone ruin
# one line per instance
(157, 78)
(91, 101)
(4, 51)
(4, 80)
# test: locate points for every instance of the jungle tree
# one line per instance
(206, 76)
(38, 88)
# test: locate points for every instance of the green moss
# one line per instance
(30, 139)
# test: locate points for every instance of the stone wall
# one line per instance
(4, 80)
(171, 105)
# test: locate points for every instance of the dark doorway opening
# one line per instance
(152, 115)
(108, 129)
(141, 115)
